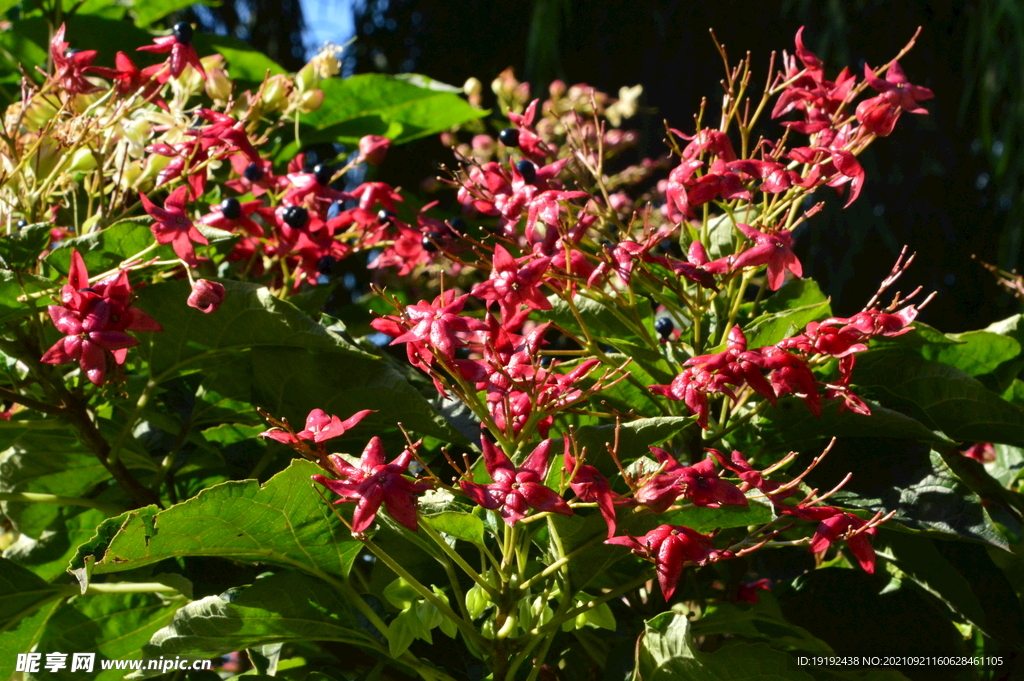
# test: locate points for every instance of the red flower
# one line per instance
(514, 282)
(749, 592)
(231, 214)
(182, 51)
(436, 323)
(515, 491)
(879, 114)
(206, 296)
(69, 66)
(94, 321)
(670, 548)
(590, 486)
(983, 452)
(320, 427)
(835, 524)
(128, 79)
(774, 250)
(173, 226)
(375, 482)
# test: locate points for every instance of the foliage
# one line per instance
(618, 375)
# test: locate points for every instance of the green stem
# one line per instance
(465, 627)
(453, 554)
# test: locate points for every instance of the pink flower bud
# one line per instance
(206, 296)
(373, 148)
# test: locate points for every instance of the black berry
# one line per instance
(385, 216)
(296, 217)
(430, 242)
(22, 224)
(457, 225)
(183, 32)
(664, 326)
(231, 208)
(335, 209)
(509, 137)
(253, 172)
(527, 170)
(325, 265)
(323, 174)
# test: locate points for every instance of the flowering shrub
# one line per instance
(627, 437)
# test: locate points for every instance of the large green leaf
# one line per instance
(21, 594)
(792, 426)
(23, 637)
(795, 293)
(940, 396)
(47, 462)
(20, 251)
(249, 317)
(769, 329)
(245, 63)
(12, 286)
(49, 555)
(148, 11)
(115, 626)
(634, 437)
(762, 621)
(961, 576)
(293, 382)
(286, 607)
(283, 522)
(377, 99)
(860, 614)
(667, 653)
(106, 249)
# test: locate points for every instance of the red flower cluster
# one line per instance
(95, 320)
(671, 548)
(699, 484)
(783, 368)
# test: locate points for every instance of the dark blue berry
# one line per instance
(325, 265)
(509, 137)
(335, 210)
(253, 172)
(231, 208)
(183, 32)
(664, 326)
(385, 216)
(527, 170)
(457, 225)
(323, 174)
(296, 217)
(22, 224)
(430, 242)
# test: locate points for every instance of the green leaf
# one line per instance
(293, 382)
(976, 353)
(962, 577)
(667, 653)
(22, 593)
(464, 526)
(148, 11)
(419, 111)
(47, 462)
(249, 317)
(634, 437)
(925, 494)
(12, 286)
(20, 251)
(403, 630)
(771, 328)
(286, 607)
(940, 396)
(284, 522)
(245, 63)
(49, 555)
(400, 594)
(794, 294)
(761, 621)
(108, 248)
(861, 614)
(705, 520)
(792, 426)
(23, 637)
(115, 626)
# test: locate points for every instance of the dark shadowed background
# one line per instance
(948, 184)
